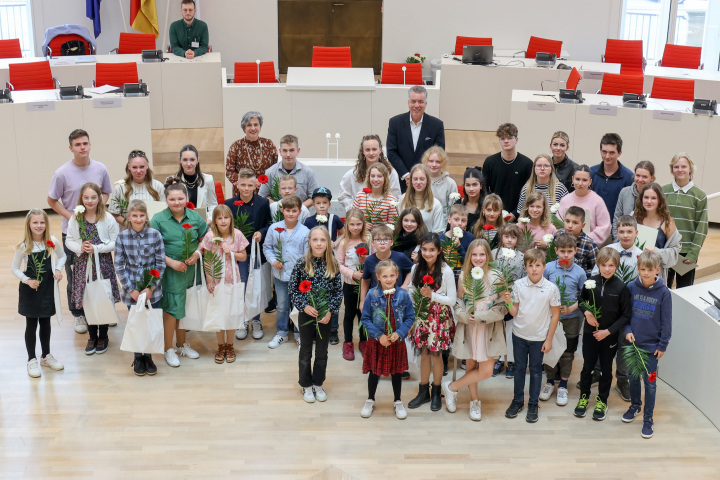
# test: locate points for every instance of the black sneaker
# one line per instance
(405, 375)
(334, 339)
(510, 370)
(532, 414)
(139, 367)
(91, 346)
(271, 306)
(102, 345)
(581, 407)
(150, 365)
(600, 409)
(513, 409)
(595, 379)
(623, 388)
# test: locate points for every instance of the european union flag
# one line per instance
(92, 10)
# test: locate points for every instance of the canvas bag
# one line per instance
(144, 331)
(226, 305)
(98, 302)
(196, 300)
(559, 345)
(255, 300)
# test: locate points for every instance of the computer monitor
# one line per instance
(477, 54)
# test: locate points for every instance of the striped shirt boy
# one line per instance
(688, 206)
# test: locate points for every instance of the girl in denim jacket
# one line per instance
(387, 316)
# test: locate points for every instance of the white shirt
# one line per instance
(533, 319)
(624, 259)
(415, 130)
(19, 263)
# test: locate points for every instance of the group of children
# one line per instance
(473, 283)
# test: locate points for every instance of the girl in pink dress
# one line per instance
(537, 212)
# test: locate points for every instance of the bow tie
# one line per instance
(625, 254)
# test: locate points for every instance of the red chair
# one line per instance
(250, 72)
(135, 43)
(614, 84)
(573, 80)
(392, 74)
(31, 76)
(461, 41)
(10, 48)
(628, 53)
(544, 45)
(680, 56)
(55, 45)
(673, 89)
(116, 74)
(334, 57)
(219, 193)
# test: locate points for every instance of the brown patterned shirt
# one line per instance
(258, 156)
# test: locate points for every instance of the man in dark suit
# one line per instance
(410, 135)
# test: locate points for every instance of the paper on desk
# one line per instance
(101, 89)
(682, 268)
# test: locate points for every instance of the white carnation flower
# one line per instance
(120, 182)
(547, 238)
(389, 292)
(321, 218)
(279, 203)
(455, 196)
(505, 213)
(395, 204)
(508, 254)
(78, 210)
(555, 208)
(524, 220)
(217, 239)
(590, 284)
(457, 232)
(390, 226)
(477, 273)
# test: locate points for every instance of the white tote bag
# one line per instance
(144, 331)
(98, 301)
(196, 299)
(559, 345)
(226, 305)
(255, 300)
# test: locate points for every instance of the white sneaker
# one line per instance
(308, 395)
(400, 411)
(562, 396)
(241, 333)
(546, 391)
(171, 358)
(187, 351)
(475, 412)
(33, 368)
(257, 330)
(80, 324)
(320, 394)
(50, 361)
(367, 409)
(450, 397)
(277, 341)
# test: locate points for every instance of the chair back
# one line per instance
(116, 74)
(247, 72)
(31, 76)
(545, 45)
(392, 74)
(628, 53)
(335, 57)
(10, 48)
(573, 80)
(614, 84)
(135, 42)
(680, 56)
(462, 41)
(56, 44)
(673, 89)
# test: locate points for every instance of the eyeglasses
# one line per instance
(382, 240)
(543, 167)
(137, 153)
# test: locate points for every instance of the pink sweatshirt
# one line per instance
(600, 222)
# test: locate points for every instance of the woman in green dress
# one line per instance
(182, 229)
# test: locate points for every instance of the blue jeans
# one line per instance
(334, 322)
(282, 318)
(244, 274)
(522, 350)
(650, 387)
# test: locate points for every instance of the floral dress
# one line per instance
(236, 244)
(382, 360)
(435, 332)
(80, 265)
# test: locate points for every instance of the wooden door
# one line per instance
(303, 24)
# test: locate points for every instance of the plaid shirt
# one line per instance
(134, 252)
(586, 252)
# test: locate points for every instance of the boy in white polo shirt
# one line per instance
(536, 311)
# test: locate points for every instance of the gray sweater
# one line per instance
(625, 206)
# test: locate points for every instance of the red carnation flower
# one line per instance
(361, 251)
(263, 179)
(187, 226)
(488, 227)
(50, 244)
(154, 273)
(190, 205)
(305, 286)
(652, 377)
(428, 280)
(239, 202)
(279, 229)
(508, 218)
(367, 190)
(564, 263)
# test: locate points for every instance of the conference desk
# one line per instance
(655, 133)
(183, 93)
(317, 101)
(475, 97)
(520, 53)
(707, 83)
(35, 133)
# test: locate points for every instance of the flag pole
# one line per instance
(122, 11)
(167, 25)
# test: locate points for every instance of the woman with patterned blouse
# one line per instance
(252, 152)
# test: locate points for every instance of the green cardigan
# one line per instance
(182, 35)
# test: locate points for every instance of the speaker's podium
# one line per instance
(692, 358)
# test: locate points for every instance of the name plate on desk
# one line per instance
(603, 110)
(107, 102)
(542, 106)
(590, 75)
(667, 115)
(57, 62)
(39, 106)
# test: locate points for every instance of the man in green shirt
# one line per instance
(189, 37)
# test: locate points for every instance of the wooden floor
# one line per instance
(97, 420)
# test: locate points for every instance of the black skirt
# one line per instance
(38, 303)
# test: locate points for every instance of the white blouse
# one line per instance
(19, 263)
(140, 192)
(447, 293)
